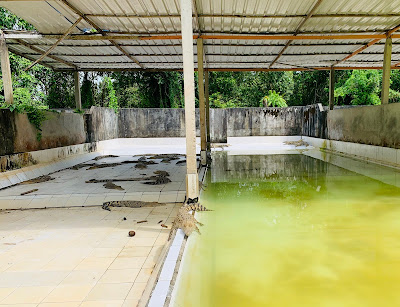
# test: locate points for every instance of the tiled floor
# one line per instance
(69, 255)
(79, 256)
(70, 189)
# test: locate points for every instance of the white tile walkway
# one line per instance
(79, 256)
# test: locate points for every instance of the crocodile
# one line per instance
(186, 221)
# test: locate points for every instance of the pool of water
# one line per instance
(291, 230)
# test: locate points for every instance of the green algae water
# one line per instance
(291, 230)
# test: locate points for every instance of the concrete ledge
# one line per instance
(377, 154)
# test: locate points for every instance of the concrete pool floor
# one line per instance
(69, 187)
(70, 255)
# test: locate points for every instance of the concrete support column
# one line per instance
(387, 61)
(78, 102)
(207, 98)
(192, 178)
(331, 88)
(202, 107)
(6, 70)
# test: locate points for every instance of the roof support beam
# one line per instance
(112, 41)
(387, 59)
(6, 70)
(261, 37)
(371, 43)
(252, 16)
(316, 5)
(192, 178)
(70, 29)
(232, 69)
(49, 56)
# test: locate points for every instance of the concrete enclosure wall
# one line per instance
(18, 135)
(374, 125)
(371, 125)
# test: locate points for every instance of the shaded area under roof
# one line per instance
(238, 35)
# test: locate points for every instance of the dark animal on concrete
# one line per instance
(166, 156)
(158, 180)
(30, 191)
(130, 204)
(81, 165)
(106, 156)
(110, 185)
(161, 173)
(39, 179)
(140, 165)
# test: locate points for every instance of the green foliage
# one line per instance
(361, 88)
(60, 90)
(218, 101)
(111, 97)
(10, 21)
(23, 103)
(310, 87)
(151, 90)
(87, 92)
(273, 99)
(246, 89)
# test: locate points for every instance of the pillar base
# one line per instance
(203, 158)
(192, 186)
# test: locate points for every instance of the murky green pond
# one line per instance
(291, 230)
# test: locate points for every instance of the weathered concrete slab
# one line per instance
(372, 125)
(59, 129)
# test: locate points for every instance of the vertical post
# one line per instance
(331, 88)
(202, 107)
(207, 96)
(387, 61)
(78, 102)
(6, 70)
(192, 178)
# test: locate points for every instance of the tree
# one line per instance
(87, 92)
(361, 88)
(273, 99)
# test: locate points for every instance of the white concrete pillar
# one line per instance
(192, 178)
(202, 106)
(6, 70)
(387, 62)
(78, 101)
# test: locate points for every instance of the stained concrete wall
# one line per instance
(59, 129)
(372, 125)
(148, 123)
(224, 123)
(375, 125)
(314, 121)
(101, 124)
(263, 121)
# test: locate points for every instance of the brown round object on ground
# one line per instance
(132, 233)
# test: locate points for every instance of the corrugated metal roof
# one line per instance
(147, 17)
